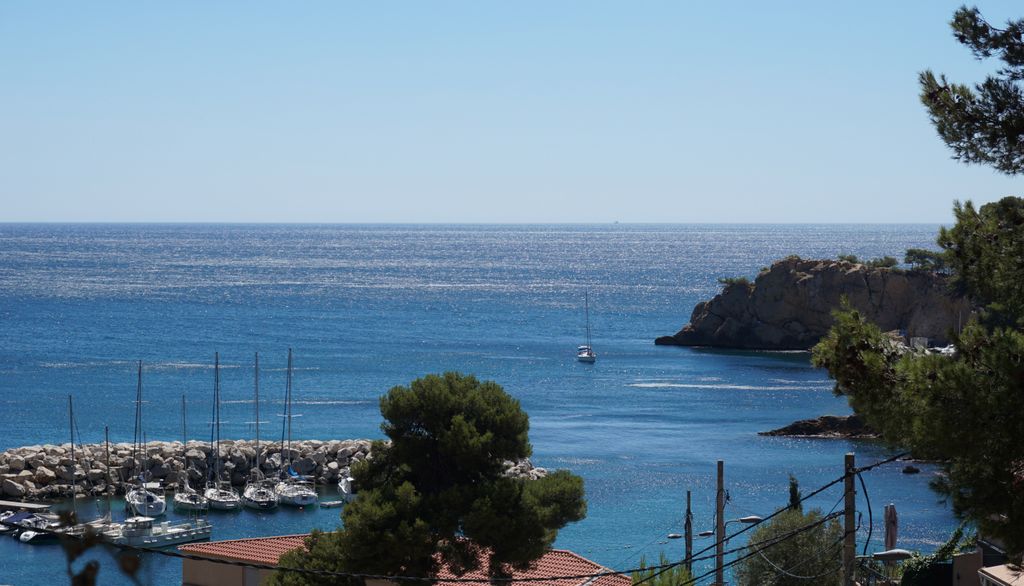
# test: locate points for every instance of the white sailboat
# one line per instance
(145, 498)
(585, 352)
(258, 492)
(187, 498)
(220, 494)
(293, 489)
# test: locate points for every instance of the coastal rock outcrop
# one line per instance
(831, 426)
(46, 472)
(789, 305)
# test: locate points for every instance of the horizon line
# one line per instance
(445, 223)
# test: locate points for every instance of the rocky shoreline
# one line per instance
(44, 472)
(789, 306)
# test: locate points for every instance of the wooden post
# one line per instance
(688, 525)
(720, 526)
(849, 522)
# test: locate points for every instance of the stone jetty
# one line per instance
(46, 472)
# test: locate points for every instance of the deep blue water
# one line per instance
(369, 307)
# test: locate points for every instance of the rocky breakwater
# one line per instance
(789, 305)
(48, 471)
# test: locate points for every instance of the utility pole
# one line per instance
(849, 526)
(688, 524)
(720, 526)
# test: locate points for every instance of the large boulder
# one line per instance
(11, 488)
(45, 476)
(16, 463)
(789, 306)
(304, 466)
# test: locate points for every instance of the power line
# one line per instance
(777, 540)
(803, 498)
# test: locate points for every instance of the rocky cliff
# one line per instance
(788, 306)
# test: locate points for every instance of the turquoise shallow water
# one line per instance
(369, 307)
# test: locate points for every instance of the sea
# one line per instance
(368, 307)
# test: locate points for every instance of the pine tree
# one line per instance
(437, 493)
(983, 124)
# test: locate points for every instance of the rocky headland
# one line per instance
(48, 472)
(788, 306)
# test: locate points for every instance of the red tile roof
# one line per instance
(260, 550)
(557, 562)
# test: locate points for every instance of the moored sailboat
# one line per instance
(258, 492)
(293, 489)
(144, 498)
(585, 352)
(187, 498)
(219, 494)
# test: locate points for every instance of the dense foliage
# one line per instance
(915, 571)
(885, 262)
(961, 409)
(921, 259)
(985, 251)
(983, 124)
(809, 557)
(436, 495)
(673, 576)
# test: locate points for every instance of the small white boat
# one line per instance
(146, 500)
(188, 499)
(259, 494)
(345, 488)
(585, 352)
(222, 496)
(296, 493)
(143, 532)
(37, 528)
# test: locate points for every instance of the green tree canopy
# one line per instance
(437, 493)
(985, 250)
(983, 124)
(789, 558)
(962, 409)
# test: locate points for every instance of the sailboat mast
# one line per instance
(106, 440)
(184, 434)
(586, 305)
(288, 393)
(71, 428)
(257, 383)
(137, 438)
(216, 411)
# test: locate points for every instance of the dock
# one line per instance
(20, 506)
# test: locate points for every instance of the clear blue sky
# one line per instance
(480, 111)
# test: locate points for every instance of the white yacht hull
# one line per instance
(145, 503)
(295, 495)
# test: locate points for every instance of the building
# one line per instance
(1003, 575)
(210, 571)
